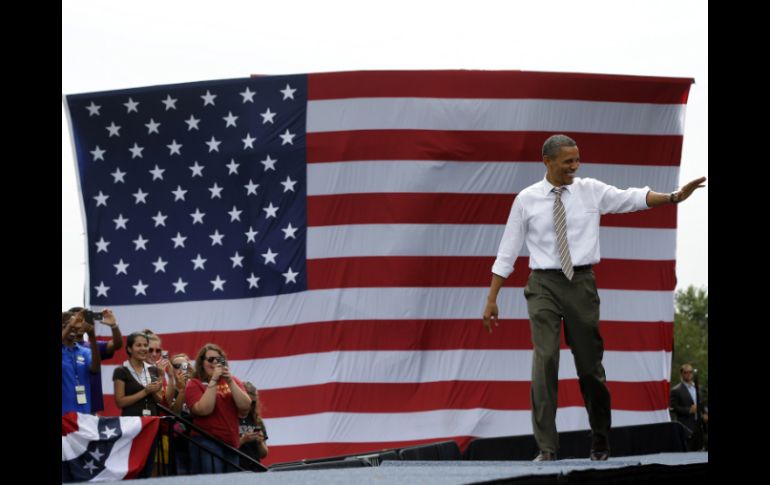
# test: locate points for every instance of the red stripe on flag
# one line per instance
(408, 208)
(429, 396)
(498, 84)
(439, 208)
(384, 397)
(471, 271)
(141, 444)
(110, 408)
(69, 423)
(488, 146)
(399, 335)
(663, 217)
(281, 454)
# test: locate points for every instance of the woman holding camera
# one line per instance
(217, 400)
(253, 432)
(138, 386)
(175, 391)
(137, 383)
(175, 396)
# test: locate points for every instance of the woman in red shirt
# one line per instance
(217, 400)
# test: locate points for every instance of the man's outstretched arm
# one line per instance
(655, 199)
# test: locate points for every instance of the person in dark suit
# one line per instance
(683, 403)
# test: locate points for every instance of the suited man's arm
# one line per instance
(675, 403)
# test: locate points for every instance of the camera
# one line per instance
(222, 360)
(184, 366)
(90, 316)
(164, 354)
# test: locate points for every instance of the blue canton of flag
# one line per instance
(93, 453)
(193, 191)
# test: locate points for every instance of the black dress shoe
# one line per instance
(600, 448)
(600, 455)
(545, 456)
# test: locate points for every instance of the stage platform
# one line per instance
(655, 469)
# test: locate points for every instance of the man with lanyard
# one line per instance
(77, 363)
(106, 351)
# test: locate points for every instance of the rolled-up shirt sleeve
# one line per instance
(513, 238)
(612, 200)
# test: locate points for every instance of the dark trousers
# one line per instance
(551, 297)
(202, 461)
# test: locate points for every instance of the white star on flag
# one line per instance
(169, 102)
(269, 256)
(121, 267)
(248, 95)
(178, 240)
(179, 286)
(140, 288)
(291, 276)
(219, 284)
(288, 92)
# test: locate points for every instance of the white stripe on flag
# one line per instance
(469, 240)
(481, 423)
(427, 366)
(430, 176)
(368, 304)
(494, 115)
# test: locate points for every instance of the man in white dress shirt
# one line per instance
(562, 285)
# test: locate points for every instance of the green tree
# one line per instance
(691, 335)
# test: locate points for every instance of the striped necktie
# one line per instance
(560, 225)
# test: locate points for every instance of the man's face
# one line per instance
(561, 171)
(76, 332)
(687, 374)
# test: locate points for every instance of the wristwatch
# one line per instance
(673, 197)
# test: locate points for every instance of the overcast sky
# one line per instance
(113, 45)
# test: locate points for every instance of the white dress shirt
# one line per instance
(531, 220)
(691, 390)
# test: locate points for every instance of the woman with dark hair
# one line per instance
(138, 386)
(217, 400)
(137, 383)
(253, 432)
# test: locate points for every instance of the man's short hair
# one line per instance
(553, 145)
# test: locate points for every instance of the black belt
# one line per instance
(585, 267)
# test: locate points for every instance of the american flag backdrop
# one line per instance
(335, 234)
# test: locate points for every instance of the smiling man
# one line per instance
(558, 217)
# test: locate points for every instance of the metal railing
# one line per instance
(170, 468)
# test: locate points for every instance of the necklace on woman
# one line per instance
(140, 375)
